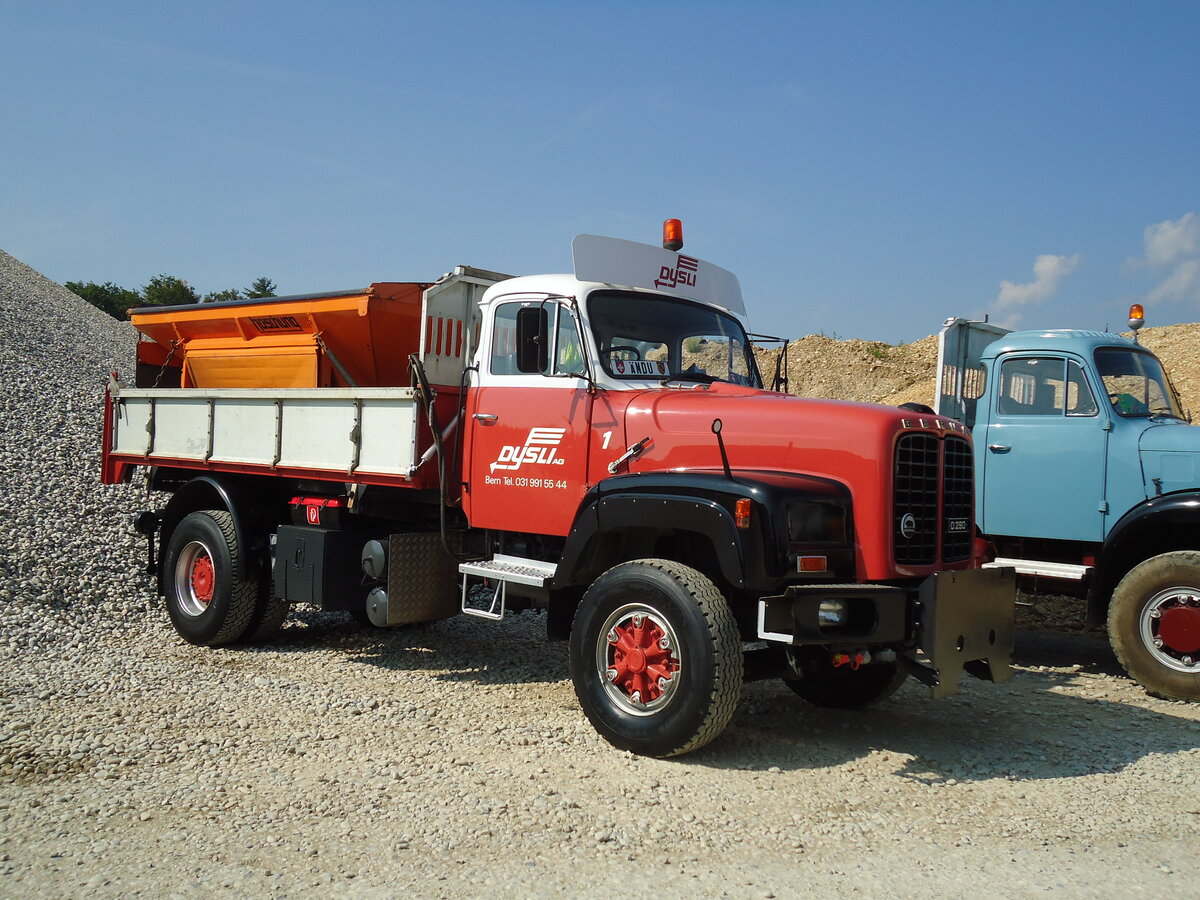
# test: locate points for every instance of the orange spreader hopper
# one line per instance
(341, 339)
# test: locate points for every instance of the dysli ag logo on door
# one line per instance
(540, 448)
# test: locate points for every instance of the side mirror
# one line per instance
(533, 343)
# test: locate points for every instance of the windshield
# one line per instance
(1136, 383)
(648, 336)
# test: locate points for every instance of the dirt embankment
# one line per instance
(875, 372)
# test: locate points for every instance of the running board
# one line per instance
(504, 570)
(1065, 571)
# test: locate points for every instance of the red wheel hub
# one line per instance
(640, 659)
(1179, 628)
(203, 578)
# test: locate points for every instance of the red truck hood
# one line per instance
(851, 443)
(763, 430)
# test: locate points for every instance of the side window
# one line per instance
(1031, 387)
(568, 348)
(567, 351)
(504, 340)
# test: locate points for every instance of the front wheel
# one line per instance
(1154, 624)
(207, 602)
(656, 658)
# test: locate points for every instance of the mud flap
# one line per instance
(966, 623)
(422, 579)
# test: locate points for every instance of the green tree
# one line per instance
(223, 296)
(167, 290)
(113, 299)
(262, 287)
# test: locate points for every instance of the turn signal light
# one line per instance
(673, 235)
(741, 513)
(1137, 316)
(811, 564)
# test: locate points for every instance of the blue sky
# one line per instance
(866, 169)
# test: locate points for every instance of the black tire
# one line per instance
(691, 684)
(1154, 624)
(843, 687)
(208, 604)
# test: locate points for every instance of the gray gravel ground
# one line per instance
(452, 759)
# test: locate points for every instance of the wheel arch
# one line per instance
(1161, 525)
(614, 527)
(212, 492)
(602, 549)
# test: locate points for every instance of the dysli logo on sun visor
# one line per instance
(683, 274)
(540, 448)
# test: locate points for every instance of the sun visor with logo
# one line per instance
(631, 264)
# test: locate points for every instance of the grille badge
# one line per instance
(908, 525)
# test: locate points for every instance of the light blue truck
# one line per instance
(1087, 480)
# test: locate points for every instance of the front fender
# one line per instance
(1160, 525)
(613, 514)
(700, 505)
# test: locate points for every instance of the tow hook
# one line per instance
(862, 658)
(853, 660)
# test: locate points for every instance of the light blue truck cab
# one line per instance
(1087, 482)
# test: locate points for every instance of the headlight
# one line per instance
(816, 521)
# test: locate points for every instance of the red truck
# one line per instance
(598, 445)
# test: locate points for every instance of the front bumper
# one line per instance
(958, 620)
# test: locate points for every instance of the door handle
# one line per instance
(999, 448)
(485, 417)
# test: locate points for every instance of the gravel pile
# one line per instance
(67, 547)
(452, 759)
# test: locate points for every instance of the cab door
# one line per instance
(1043, 458)
(528, 447)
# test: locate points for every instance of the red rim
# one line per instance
(203, 578)
(641, 658)
(1179, 626)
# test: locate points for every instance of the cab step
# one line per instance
(503, 570)
(1065, 571)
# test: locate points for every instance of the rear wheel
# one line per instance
(822, 684)
(207, 602)
(656, 658)
(1154, 624)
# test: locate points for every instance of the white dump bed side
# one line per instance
(960, 374)
(350, 430)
